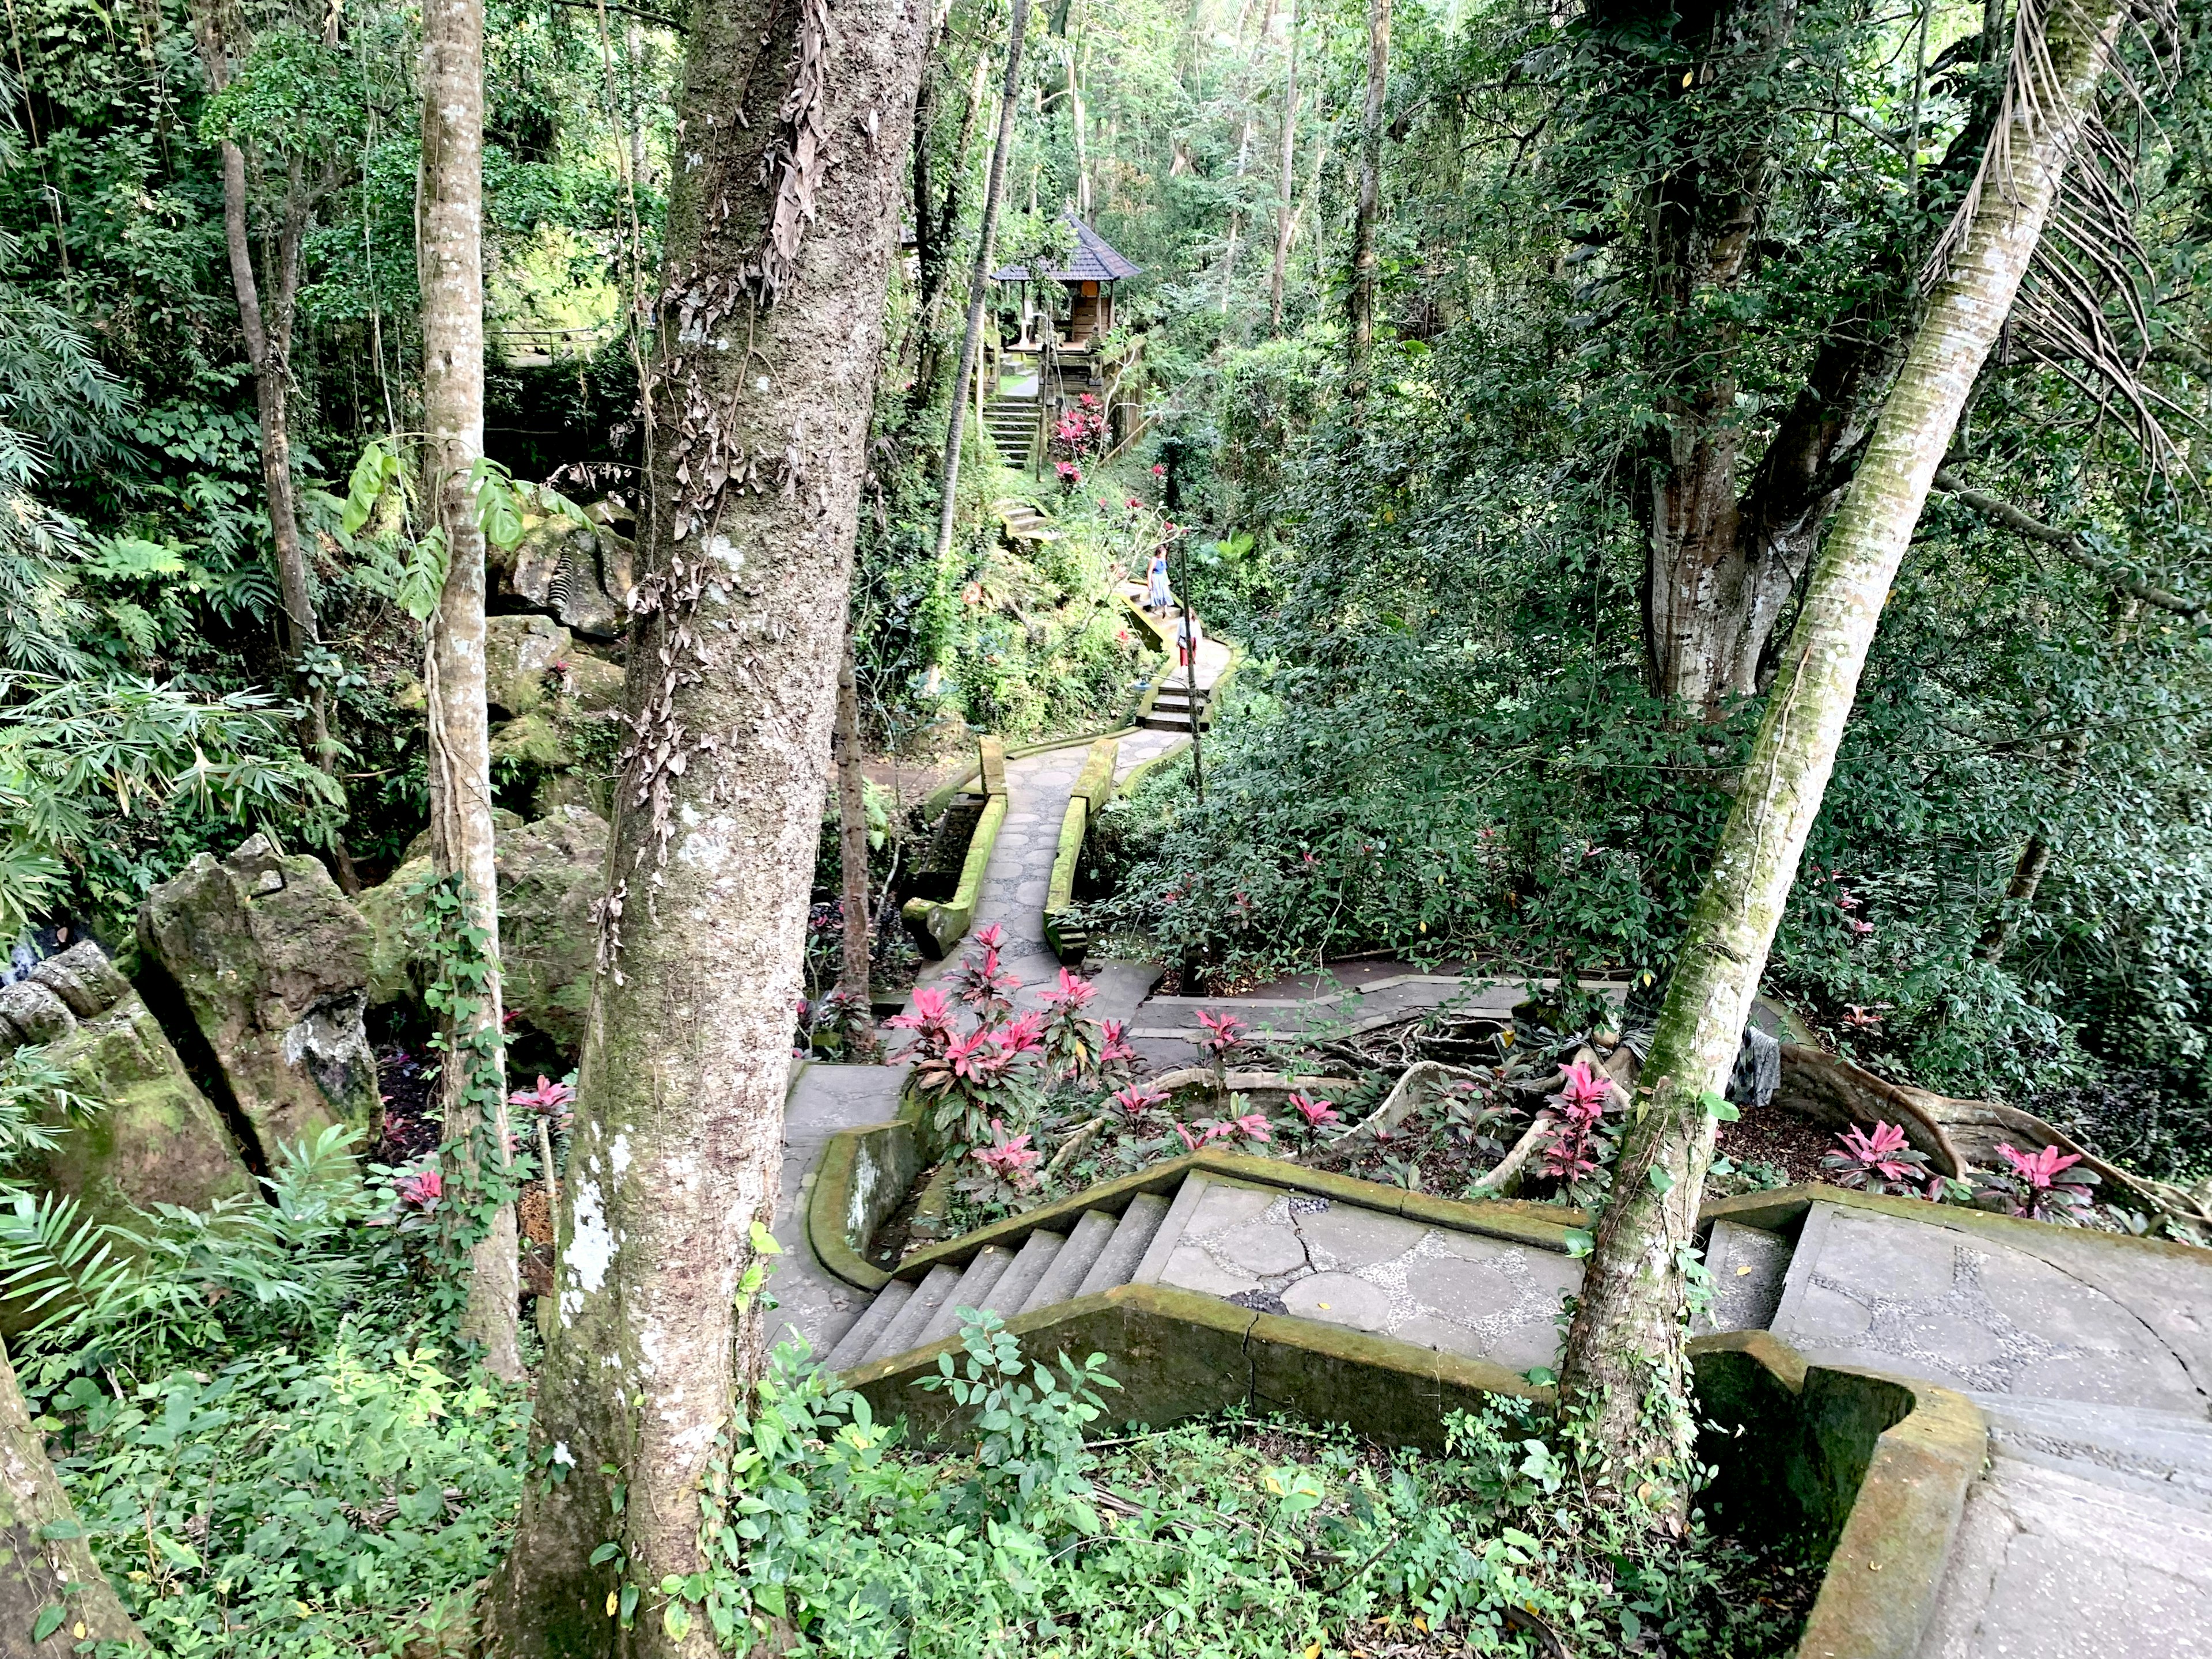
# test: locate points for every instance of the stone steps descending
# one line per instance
(1171, 708)
(1100, 1252)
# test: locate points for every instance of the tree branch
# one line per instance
(2067, 543)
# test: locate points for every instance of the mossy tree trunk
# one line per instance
(1624, 1362)
(47, 1576)
(472, 1087)
(783, 220)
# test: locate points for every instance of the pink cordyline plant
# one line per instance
(1223, 1033)
(931, 1020)
(1314, 1112)
(1117, 1059)
(2042, 1185)
(1138, 1098)
(982, 984)
(1021, 1035)
(1576, 1150)
(422, 1191)
(1071, 1041)
(1879, 1159)
(1010, 1158)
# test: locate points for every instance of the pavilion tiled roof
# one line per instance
(1094, 260)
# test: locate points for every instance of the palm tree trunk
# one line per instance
(1625, 1347)
(47, 1574)
(978, 280)
(771, 335)
(472, 1083)
(1368, 210)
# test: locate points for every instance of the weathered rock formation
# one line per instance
(583, 576)
(273, 965)
(552, 874)
(159, 1140)
(556, 707)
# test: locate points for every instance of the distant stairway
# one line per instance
(1172, 709)
(1098, 1253)
(1012, 424)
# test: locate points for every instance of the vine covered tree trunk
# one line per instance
(49, 1586)
(783, 220)
(472, 1078)
(1625, 1345)
(1287, 180)
(1369, 209)
(979, 280)
(852, 848)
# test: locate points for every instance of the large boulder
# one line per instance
(273, 965)
(159, 1139)
(556, 713)
(552, 874)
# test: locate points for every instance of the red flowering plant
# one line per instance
(2044, 1185)
(412, 1194)
(1878, 1160)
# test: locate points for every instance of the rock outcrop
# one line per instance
(160, 1139)
(273, 965)
(582, 575)
(552, 873)
(556, 707)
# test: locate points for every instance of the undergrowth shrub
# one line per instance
(1224, 1538)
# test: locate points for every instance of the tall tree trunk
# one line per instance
(1369, 211)
(935, 259)
(1229, 260)
(1625, 1344)
(1286, 187)
(472, 1081)
(771, 333)
(267, 331)
(979, 280)
(853, 849)
(46, 1568)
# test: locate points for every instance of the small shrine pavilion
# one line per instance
(1072, 304)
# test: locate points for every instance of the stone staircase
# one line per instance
(1012, 424)
(1100, 1252)
(1263, 1242)
(1172, 709)
(1024, 521)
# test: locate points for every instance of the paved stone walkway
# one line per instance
(811, 1302)
(1294, 1253)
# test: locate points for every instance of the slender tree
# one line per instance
(853, 849)
(265, 320)
(1625, 1347)
(1368, 212)
(979, 278)
(782, 223)
(472, 1083)
(1287, 187)
(54, 1602)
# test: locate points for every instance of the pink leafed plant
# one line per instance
(1223, 1033)
(422, 1191)
(1116, 1055)
(1137, 1099)
(1584, 1088)
(981, 982)
(1010, 1158)
(1314, 1112)
(554, 1099)
(2044, 1185)
(931, 1020)
(1073, 991)
(1879, 1160)
(1021, 1035)
(1253, 1126)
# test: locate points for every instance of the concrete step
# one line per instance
(988, 1266)
(862, 1339)
(905, 1331)
(1086, 1241)
(1132, 1236)
(2163, 1454)
(1038, 1252)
